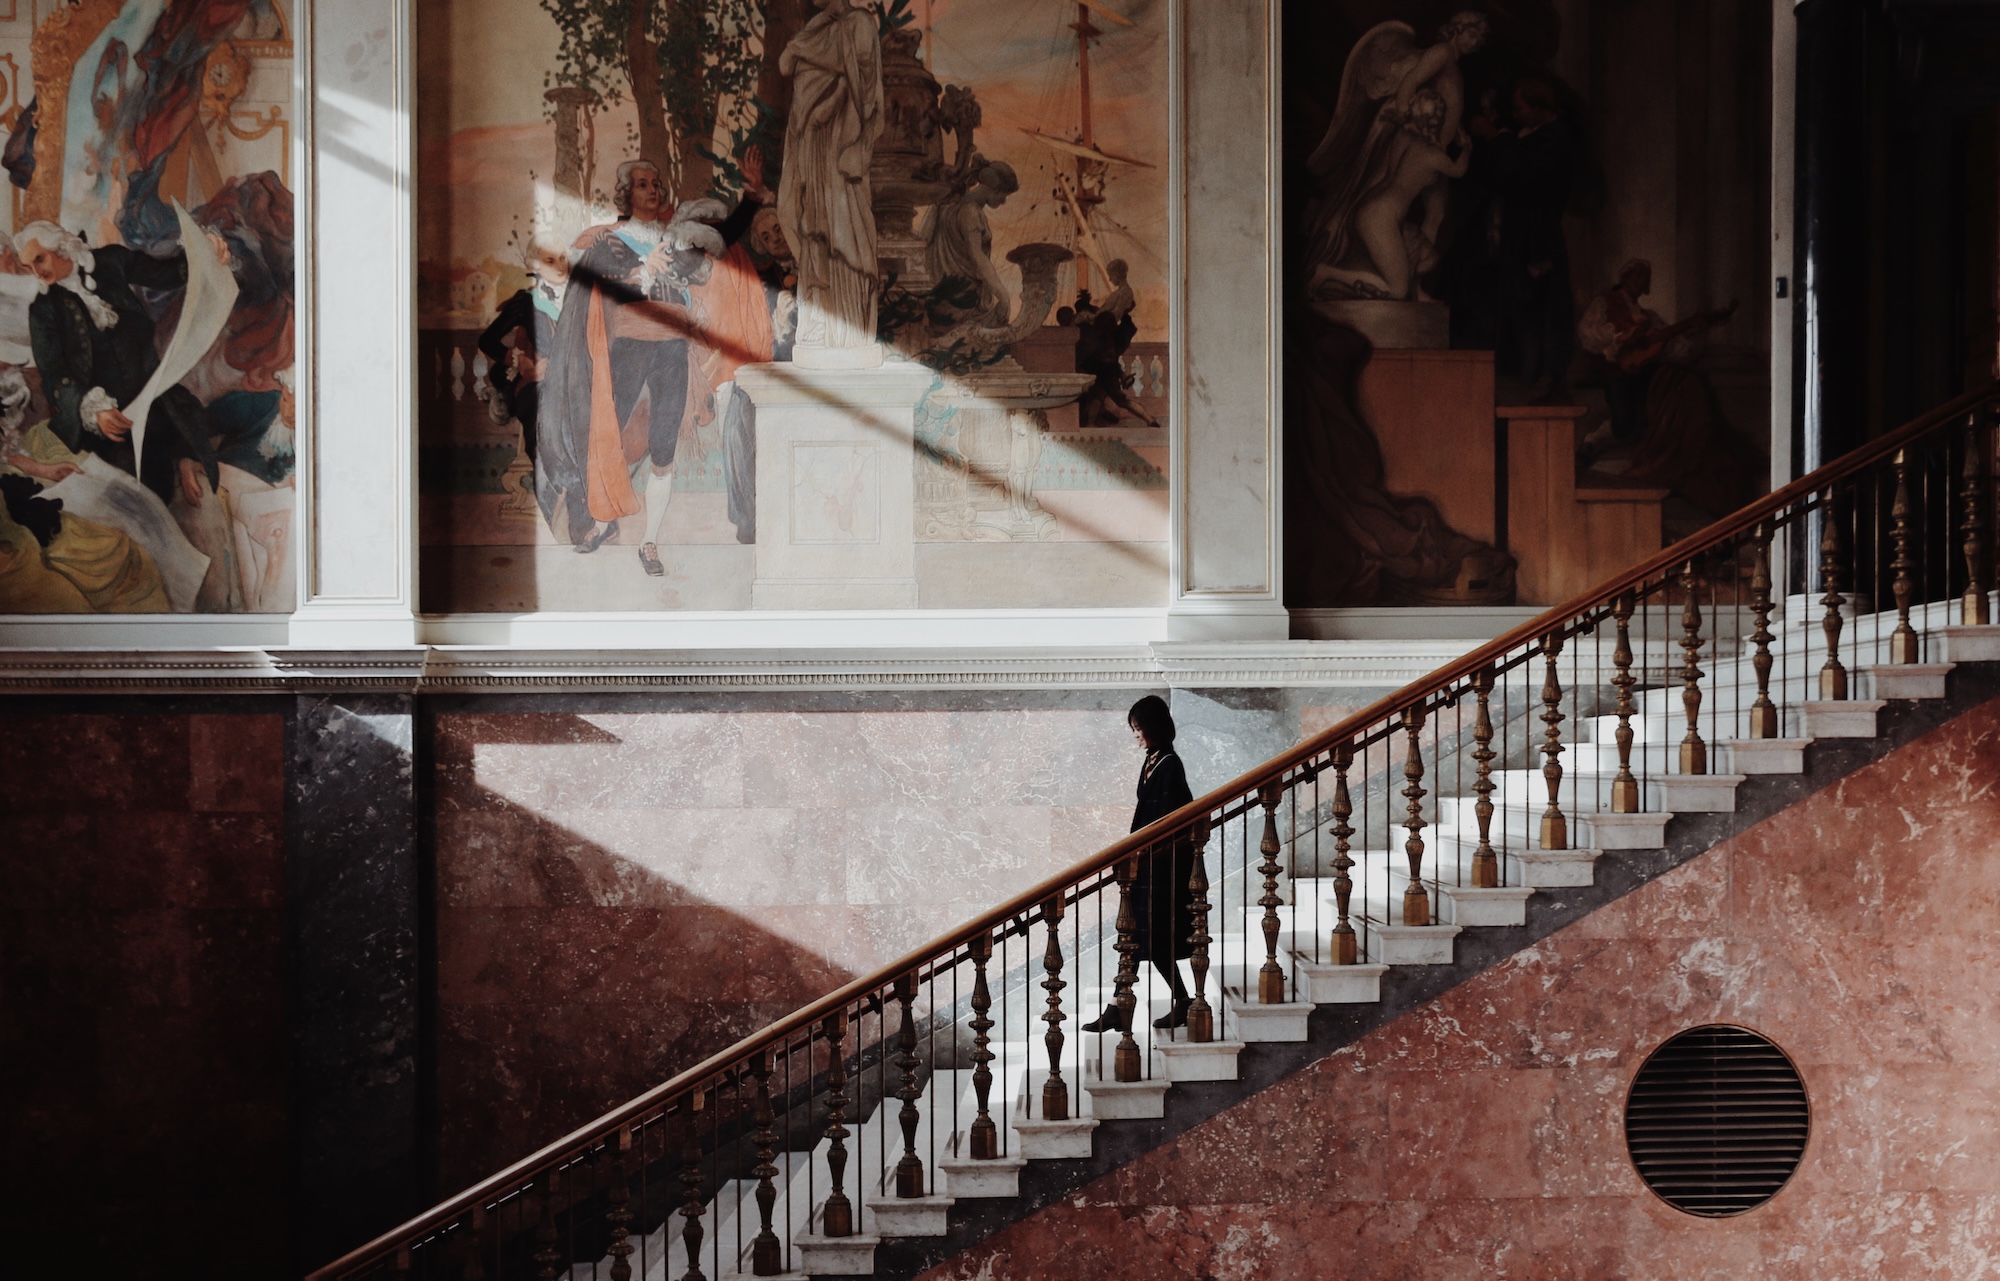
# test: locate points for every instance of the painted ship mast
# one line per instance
(1081, 187)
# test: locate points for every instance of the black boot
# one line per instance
(1112, 1020)
(1176, 1015)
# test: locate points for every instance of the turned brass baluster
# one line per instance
(1555, 828)
(1055, 1091)
(618, 1210)
(1763, 712)
(1832, 675)
(1485, 864)
(1903, 641)
(546, 1253)
(909, 1170)
(1972, 606)
(1624, 787)
(985, 1137)
(1694, 752)
(1125, 1063)
(1201, 1015)
(766, 1255)
(691, 1198)
(1346, 946)
(1416, 900)
(1270, 979)
(837, 1218)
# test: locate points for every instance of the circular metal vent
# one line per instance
(1716, 1121)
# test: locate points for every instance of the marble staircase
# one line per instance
(1327, 1004)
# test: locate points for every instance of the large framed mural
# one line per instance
(146, 307)
(792, 304)
(1526, 257)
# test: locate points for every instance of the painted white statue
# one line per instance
(1382, 169)
(824, 196)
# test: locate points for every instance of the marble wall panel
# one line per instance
(667, 875)
(1481, 1135)
(142, 992)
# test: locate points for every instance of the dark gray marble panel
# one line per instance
(353, 897)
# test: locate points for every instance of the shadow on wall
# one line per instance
(570, 977)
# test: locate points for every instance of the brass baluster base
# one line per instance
(1416, 906)
(1903, 645)
(1763, 722)
(1055, 1101)
(985, 1141)
(1973, 609)
(1485, 871)
(1200, 1026)
(1833, 683)
(1346, 947)
(1555, 832)
(1625, 796)
(1694, 758)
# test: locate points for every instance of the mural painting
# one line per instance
(146, 308)
(774, 304)
(1489, 399)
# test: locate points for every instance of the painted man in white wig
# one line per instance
(824, 196)
(92, 337)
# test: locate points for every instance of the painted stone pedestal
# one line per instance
(984, 489)
(835, 485)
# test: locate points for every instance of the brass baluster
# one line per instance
(1485, 863)
(1972, 606)
(985, 1137)
(1270, 979)
(545, 1231)
(475, 1247)
(1416, 901)
(1624, 787)
(1903, 641)
(1125, 1063)
(1694, 752)
(691, 1231)
(1201, 1015)
(909, 1170)
(1055, 1091)
(619, 1207)
(1346, 946)
(1763, 712)
(1555, 828)
(836, 1219)
(766, 1255)
(1832, 675)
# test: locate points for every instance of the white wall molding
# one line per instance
(1373, 665)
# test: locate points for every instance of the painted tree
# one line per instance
(680, 61)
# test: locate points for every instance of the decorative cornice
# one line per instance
(441, 670)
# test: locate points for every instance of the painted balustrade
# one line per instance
(1371, 844)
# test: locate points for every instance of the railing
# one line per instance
(1367, 845)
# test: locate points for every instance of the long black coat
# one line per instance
(1160, 893)
(74, 355)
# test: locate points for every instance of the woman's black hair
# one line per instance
(1150, 717)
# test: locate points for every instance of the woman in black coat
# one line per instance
(1160, 897)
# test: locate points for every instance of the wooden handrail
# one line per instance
(1554, 620)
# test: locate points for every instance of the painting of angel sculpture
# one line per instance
(146, 313)
(1382, 172)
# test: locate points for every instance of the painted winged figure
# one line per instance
(1379, 173)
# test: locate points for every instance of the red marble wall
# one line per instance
(1481, 1136)
(142, 998)
(622, 894)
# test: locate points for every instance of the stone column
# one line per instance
(357, 329)
(836, 485)
(1227, 487)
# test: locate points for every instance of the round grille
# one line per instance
(1716, 1121)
